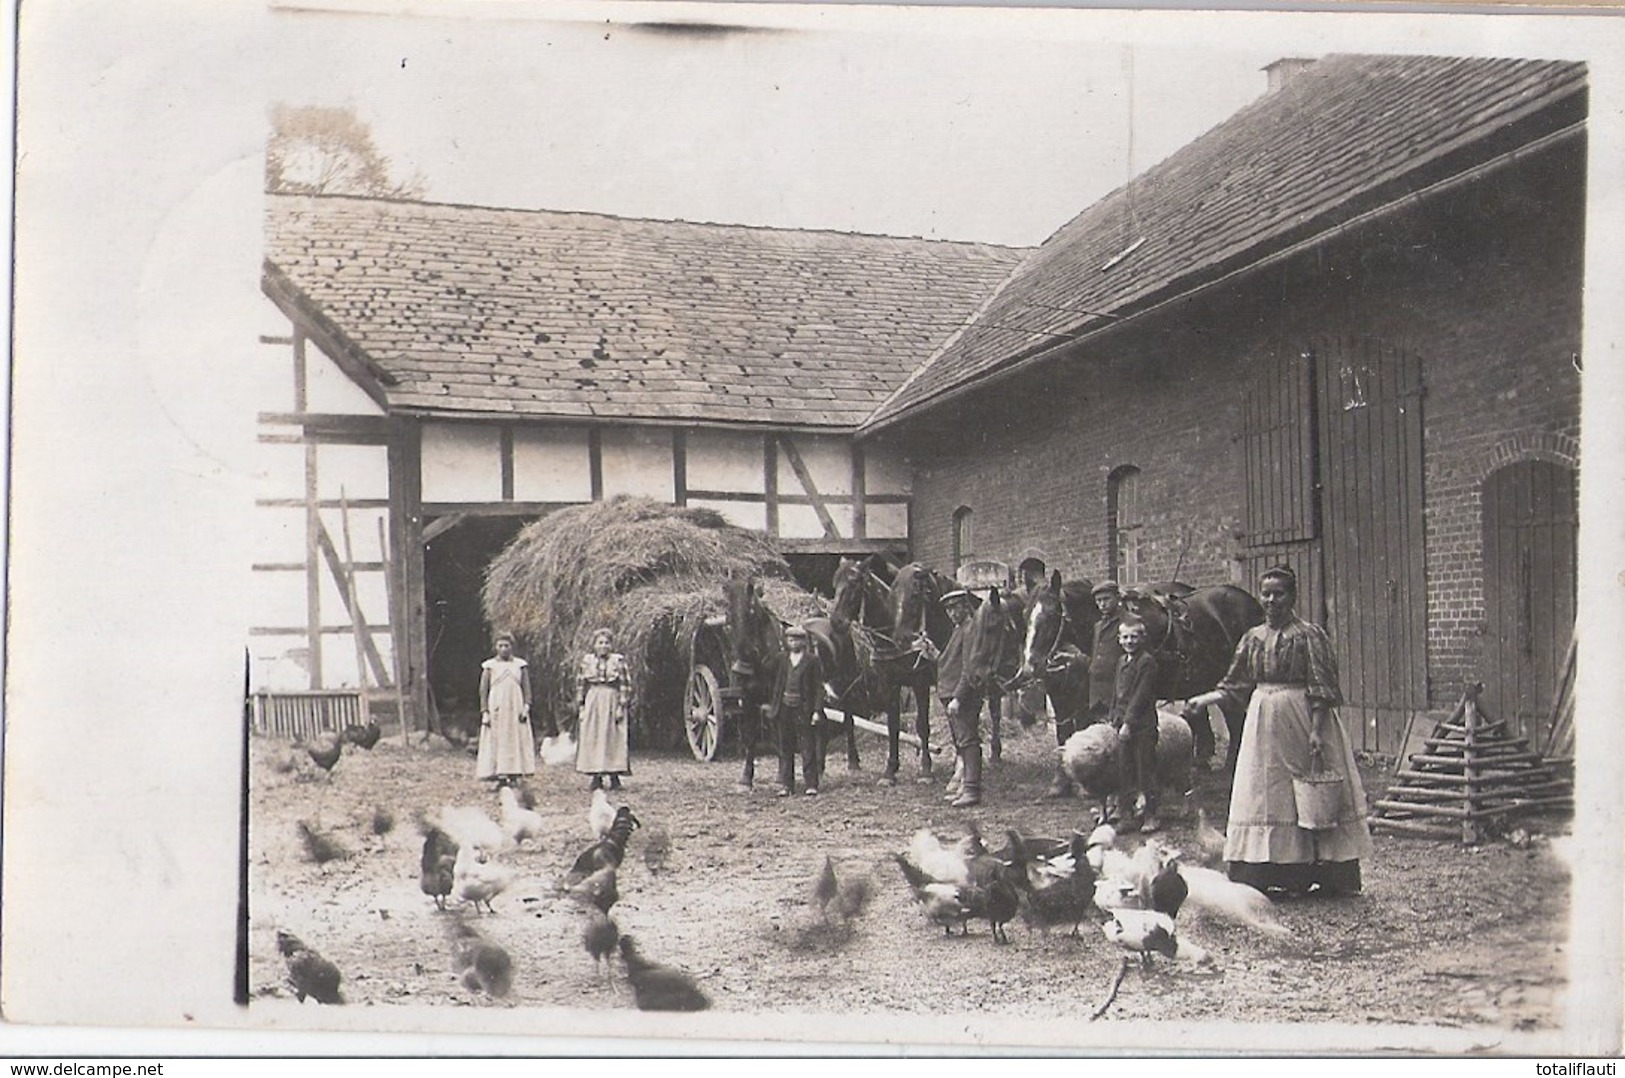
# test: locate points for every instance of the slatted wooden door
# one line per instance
(1369, 420)
(1531, 518)
(1283, 512)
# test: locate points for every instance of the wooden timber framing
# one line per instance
(406, 521)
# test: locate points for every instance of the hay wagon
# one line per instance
(713, 702)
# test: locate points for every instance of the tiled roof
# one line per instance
(460, 309)
(1345, 135)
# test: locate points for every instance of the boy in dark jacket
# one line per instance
(797, 700)
(1134, 715)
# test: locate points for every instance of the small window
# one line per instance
(1124, 524)
(962, 536)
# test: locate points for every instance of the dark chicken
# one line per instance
(660, 988)
(325, 750)
(1058, 890)
(599, 935)
(310, 973)
(608, 852)
(320, 847)
(484, 966)
(439, 861)
(362, 736)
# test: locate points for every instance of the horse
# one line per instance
(1058, 636)
(901, 617)
(1193, 632)
(756, 641)
(989, 647)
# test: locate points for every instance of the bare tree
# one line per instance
(317, 149)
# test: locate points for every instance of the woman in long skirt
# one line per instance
(1285, 673)
(603, 693)
(507, 747)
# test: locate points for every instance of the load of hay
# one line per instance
(650, 573)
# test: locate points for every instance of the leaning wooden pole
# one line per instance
(391, 592)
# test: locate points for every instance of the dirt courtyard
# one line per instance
(1442, 936)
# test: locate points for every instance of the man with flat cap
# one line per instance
(961, 698)
(796, 701)
(1107, 654)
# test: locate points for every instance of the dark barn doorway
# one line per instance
(1531, 519)
(454, 565)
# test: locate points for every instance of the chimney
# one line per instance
(1284, 71)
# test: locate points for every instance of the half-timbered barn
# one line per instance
(442, 374)
(1340, 331)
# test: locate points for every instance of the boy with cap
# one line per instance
(796, 701)
(1134, 715)
(1107, 654)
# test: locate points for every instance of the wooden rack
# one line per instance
(1470, 772)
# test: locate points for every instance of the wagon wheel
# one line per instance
(702, 713)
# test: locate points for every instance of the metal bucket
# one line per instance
(1319, 795)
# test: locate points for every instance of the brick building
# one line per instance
(1341, 330)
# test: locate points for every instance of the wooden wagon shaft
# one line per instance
(904, 736)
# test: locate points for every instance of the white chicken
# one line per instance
(557, 751)
(469, 826)
(517, 823)
(1215, 894)
(945, 864)
(476, 878)
(1147, 932)
(600, 815)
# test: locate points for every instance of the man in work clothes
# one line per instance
(1106, 655)
(962, 700)
(796, 702)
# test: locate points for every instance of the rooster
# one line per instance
(660, 988)
(600, 815)
(483, 965)
(439, 865)
(517, 823)
(609, 851)
(478, 879)
(362, 736)
(1058, 889)
(310, 973)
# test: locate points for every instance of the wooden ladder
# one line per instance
(1469, 772)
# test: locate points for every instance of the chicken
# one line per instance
(517, 823)
(1168, 889)
(1142, 932)
(1209, 840)
(943, 864)
(478, 879)
(556, 751)
(599, 935)
(600, 815)
(483, 965)
(609, 851)
(1112, 894)
(656, 848)
(599, 889)
(470, 826)
(825, 886)
(944, 904)
(319, 846)
(439, 865)
(310, 973)
(383, 820)
(1057, 890)
(992, 892)
(325, 750)
(1213, 893)
(660, 988)
(362, 736)
(852, 896)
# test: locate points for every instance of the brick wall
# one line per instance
(1483, 283)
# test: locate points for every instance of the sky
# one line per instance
(936, 125)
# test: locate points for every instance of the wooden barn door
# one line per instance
(1369, 419)
(1530, 522)
(1283, 511)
